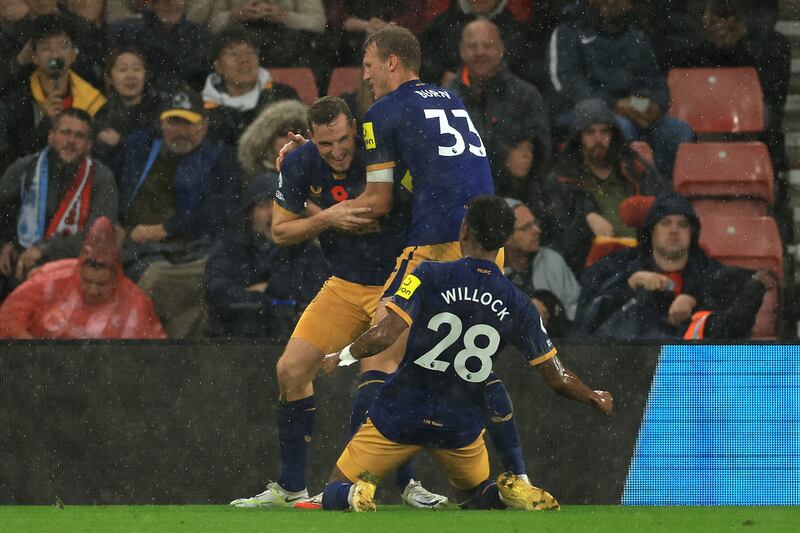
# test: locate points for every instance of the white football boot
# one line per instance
(415, 495)
(274, 496)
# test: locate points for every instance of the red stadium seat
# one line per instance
(734, 172)
(717, 100)
(344, 80)
(301, 78)
(644, 151)
(752, 243)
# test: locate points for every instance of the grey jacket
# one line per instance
(550, 272)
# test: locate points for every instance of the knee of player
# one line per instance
(288, 369)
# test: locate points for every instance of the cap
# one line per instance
(185, 104)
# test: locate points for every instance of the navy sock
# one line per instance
(334, 497)
(484, 496)
(368, 384)
(295, 427)
(501, 426)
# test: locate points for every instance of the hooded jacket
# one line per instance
(51, 305)
(586, 61)
(568, 187)
(608, 307)
(255, 145)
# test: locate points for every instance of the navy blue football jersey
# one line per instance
(461, 315)
(421, 136)
(366, 257)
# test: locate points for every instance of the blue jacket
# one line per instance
(588, 62)
(207, 184)
(240, 259)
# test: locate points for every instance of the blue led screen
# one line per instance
(721, 427)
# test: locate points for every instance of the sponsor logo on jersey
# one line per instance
(408, 287)
(369, 136)
(315, 191)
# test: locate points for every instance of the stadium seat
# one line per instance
(748, 242)
(344, 80)
(737, 173)
(301, 78)
(644, 151)
(717, 100)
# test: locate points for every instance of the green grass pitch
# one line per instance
(197, 518)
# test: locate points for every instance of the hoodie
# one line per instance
(255, 150)
(51, 303)
(569, 186)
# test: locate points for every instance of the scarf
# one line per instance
(214, 94)
(72, 212)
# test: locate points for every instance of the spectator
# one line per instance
(198, 11)
(440, 50)
(602, 55)
(532, 267)
(356, 19)
(176, 49)
(263, 139)
(594, 173)
(284, 28)
(178, 189)
(84, 298)
(48, 198)
(509, 114)
(50, 89)
(732, 300)
(728, 37)
(132, 104)
(16, 62)
(240, 87)
(651, 291)
(89, 10)
(255, 288)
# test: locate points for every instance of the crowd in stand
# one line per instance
(138, 141)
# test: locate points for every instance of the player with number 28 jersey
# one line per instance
(463, 312)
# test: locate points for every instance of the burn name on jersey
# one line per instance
(433, 93)
(471, 295)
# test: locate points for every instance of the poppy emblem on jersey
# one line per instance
(408, 287)
(339, 193)
(369, 136)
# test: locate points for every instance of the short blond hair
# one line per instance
(397, 40)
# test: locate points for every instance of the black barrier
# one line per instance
(131, 423)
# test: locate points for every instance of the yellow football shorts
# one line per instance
(414, 255)
(339, 313)
(370, 451)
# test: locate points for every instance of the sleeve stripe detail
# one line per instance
(285, 211)
(380, 166)
(384, 175)
(542, 358)
(400, 312)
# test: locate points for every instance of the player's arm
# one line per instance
(292, 228)
(373, 341)
(377, 197)
(566, 383)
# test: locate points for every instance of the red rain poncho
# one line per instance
(69, 300)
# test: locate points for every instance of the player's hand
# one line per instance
(330, 362)
(650, 281)
(294, 141)
(599, 225)
(603, 401)
(681, 309)
(344, 217)
(8, 256)
(27, 260)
